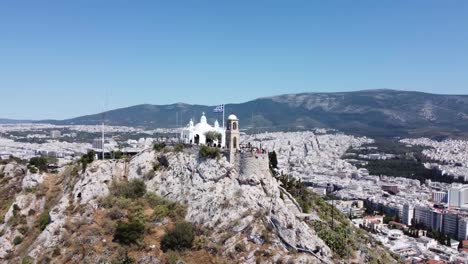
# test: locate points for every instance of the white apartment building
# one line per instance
(423, 215)
(55, 134)
(407, 214)
(458, 195)
(439, 197)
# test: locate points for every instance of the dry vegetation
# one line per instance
(130, 224)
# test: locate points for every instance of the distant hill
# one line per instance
(13, 121)
(369, 112)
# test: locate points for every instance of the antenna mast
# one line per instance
(103, 126)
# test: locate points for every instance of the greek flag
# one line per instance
(218, 109)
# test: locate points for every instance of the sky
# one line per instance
(62, 59)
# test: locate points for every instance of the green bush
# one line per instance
(213, 135)
(27, 260)
(133, 189)
(115, 214)
(129, 233)
(44, 220)
(209, 152)
(240, 247)
(160, 212)
(32, 169)
(178, 147)
(87, 158)
(40, 163)
(118, 154)
(17, 240)
(136, 188)
(179, 238)
(159, 146)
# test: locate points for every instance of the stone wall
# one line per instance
(253, 164)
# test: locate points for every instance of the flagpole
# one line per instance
(223, 118)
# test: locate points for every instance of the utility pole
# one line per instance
(102, 139)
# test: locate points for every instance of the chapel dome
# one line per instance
(232, 117)
(203, 118)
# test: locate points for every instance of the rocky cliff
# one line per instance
(236, 203)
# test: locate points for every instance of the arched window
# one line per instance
(234, 143)
(234, 126)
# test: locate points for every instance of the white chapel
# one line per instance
(195, 134)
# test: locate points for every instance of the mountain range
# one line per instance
(369, 112)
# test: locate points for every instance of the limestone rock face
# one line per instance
(239, 202)
(12, 169)
(33, 179)
(222, 196)
(51, 235)
(94, 182)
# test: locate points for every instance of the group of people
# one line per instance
(254, 150)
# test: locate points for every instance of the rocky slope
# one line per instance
(235, 206)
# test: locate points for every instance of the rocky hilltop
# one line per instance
(241, 212)
(238, 204)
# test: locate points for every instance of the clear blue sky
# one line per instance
(58, 59)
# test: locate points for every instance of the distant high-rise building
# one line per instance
(458, 195)
(463, 228)
(408, 214)
(423, 215)
(97, 143)
(439, 197)
(451, 224)
(55, 134)
(391, 188)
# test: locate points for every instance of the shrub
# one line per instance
(118, 154)
(209, 152)
(115, 214)
(199, 242)
(17, 240)
(213, 135)
(160, 212)
(177, 211)
(123, 258)
(179, 238)
(159, 146)
(136, 188)
(240, 247)
(178, 147)
(44, 220)
(27, 260)
(32, 169)
(129, 233)
(133, 189)
(87, 159)
(162, 159)
(23, 229)
(173, 258)
(39, 162)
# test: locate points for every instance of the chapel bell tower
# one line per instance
(232, 136)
